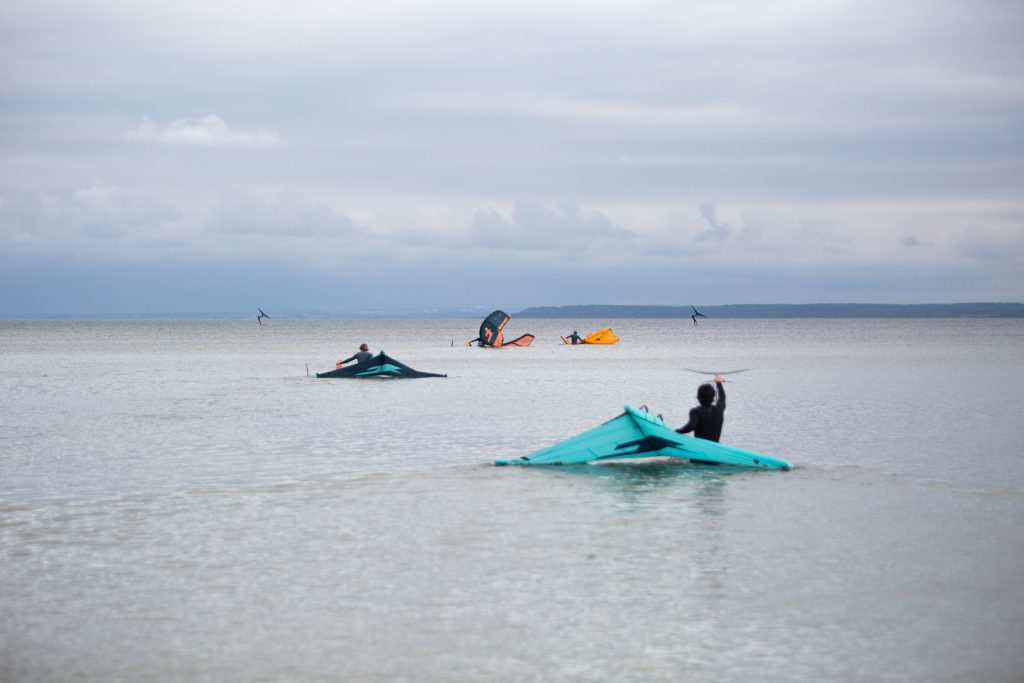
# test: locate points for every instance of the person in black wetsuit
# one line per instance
(574, 338)
(360, 356)
(707, 418)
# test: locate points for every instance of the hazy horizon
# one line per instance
(459, 313)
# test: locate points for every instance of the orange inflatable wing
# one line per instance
(605, 336)
(524, 340)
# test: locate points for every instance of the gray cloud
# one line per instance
(988, 246)
(286, 213)
(537, 225)
(111, 224)
(717, 230)
(203, 131)
(92, 219)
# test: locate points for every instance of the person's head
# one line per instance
(705, 394)
(574, 331)
(364, 347)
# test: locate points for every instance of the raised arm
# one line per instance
(720, 401)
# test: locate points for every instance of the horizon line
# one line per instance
(456, 313)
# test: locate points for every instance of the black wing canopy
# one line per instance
(490, 329)
(381, 365)
(491, 332)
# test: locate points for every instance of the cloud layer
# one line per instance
(749, 141)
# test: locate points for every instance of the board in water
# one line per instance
(380, 365)
(637, 434)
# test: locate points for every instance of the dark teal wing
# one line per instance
(380, 365)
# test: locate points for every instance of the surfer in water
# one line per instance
(574, 338)
(360, 356)
(707, 418)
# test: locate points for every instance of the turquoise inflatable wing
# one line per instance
(637, 434)
(619, 437)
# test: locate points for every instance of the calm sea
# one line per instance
(179, 501)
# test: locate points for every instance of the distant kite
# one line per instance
(262, 315)
(696, 314)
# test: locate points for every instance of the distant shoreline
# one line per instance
(964, 310)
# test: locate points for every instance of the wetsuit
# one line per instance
(706, 421)
(574, 338)
(359, 357)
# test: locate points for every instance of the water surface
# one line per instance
(179, 501)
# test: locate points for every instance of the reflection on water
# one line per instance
(703, 484)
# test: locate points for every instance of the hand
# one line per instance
(719, 378)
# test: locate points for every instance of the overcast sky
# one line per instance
(203, 155)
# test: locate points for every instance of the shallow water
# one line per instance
(179, 501)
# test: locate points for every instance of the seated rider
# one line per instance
(360, 356)
(574, 338)
(706, 419)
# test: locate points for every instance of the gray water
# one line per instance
(180, 502)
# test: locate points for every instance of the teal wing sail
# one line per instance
(599, 443)
(381, 365)
(637, 434)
